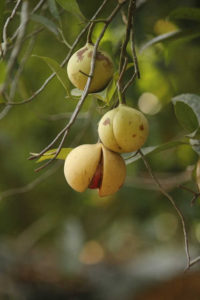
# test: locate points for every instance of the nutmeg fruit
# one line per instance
(123, 129)
(79, 67)
(94, 167)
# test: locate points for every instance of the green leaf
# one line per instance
(195, 134)
(45, 22)
(72, 7)
(60, 72)
(50, 154)
(185, 13)
(76, 92)
(107, 94)
(53, 9)
(161, 38)
(187, 110)
(172, 36)
(152, 150)
(195, 145)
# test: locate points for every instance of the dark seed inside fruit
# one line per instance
(97, 178)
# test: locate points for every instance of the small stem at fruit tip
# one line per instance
(89, 35)
(99, 21)
(87, 75)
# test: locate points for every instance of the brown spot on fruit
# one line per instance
(106, 122)
(141, 127)
(80, 53)
(101, 56)
(134, 135)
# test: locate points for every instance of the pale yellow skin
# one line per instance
(198, 174)
(80, 166)
(82, 162)
(123, 129)
(114, 172)
(81, 61)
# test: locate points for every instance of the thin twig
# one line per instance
(194, 261)
(40, 3)
(89, 35)
(195, 194)
(122, 61)
(21, 67)
(130, 24)
(127, 35)
(131, 80)
(31, 185)
(15, 80)
(119, 82)
(35, 32)
(135, 60)
(5, 111)
(31, 13)
(18, 44)
(188, 189)
(28, 36)
(7, 23)
(36, 93)
(172, 202)
(64, 41)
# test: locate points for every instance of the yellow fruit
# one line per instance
(123, 129)
(198, 174)
(95, 167)
(79, 67)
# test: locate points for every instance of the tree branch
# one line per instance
(31, 185)
(169, 197)
(18, 44)
(7, 23)
(129, 30)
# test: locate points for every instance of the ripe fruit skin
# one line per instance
(123, 129)
(198, 174)
(94, 166)
(81, 61)
(80, 166)
(114, 172)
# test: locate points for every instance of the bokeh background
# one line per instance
(59, 244)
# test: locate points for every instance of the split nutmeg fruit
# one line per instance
(95, 167)
(78, 69)
(123, 129)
